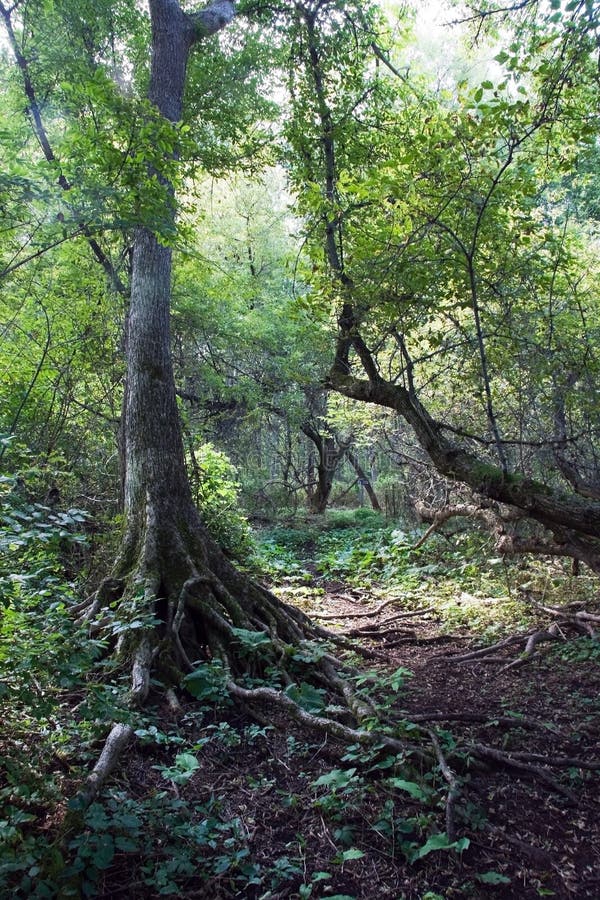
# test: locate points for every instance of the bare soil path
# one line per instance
(518, 742)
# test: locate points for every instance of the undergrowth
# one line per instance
(456, 573)
(171, 828)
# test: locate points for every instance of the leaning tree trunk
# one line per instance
(363, 479)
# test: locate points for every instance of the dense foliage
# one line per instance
(379, 263)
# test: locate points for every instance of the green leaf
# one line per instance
(440, 842)
(411, 787)
(187, 762)
(492, 878)
(337, 778)
(306, 696)
(352, 853)
(251, 640)
(320, 876)
(104, 852)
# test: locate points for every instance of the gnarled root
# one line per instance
(188, 605)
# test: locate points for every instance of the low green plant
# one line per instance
(217, 493)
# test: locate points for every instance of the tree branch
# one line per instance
(212, 19)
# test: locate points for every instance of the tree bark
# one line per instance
(170, 568)
(363, 479)
(328, 459)
(155, 471)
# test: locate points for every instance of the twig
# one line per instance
(453, 785)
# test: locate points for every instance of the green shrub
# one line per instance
(217, 494)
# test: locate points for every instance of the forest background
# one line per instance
(281, 283)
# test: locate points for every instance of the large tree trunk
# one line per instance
(155, 474)
(168, 560)
(197, 605)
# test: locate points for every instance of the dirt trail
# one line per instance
(533, 829)
(547, 711)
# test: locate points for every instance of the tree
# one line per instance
(432, 219)
(170, 575)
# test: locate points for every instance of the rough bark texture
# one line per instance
(329, 456)
(170, 570)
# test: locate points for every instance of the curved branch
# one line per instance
(550, 507)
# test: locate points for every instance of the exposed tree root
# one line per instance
(381, 626)
(119, 737)
(557, 761)
(483, 652)
(178, 603)
(269, 696)
(376, 631)
(527, 722)
(375, 612)
(511, 761)
(539, 855)
(567, 620)
(453, 785)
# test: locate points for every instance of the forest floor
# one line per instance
(209, 803)
(314, 818)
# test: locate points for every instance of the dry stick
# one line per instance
(453, 786)
(118, 738)
(517, 722)
(506, 759)
(483, 651)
